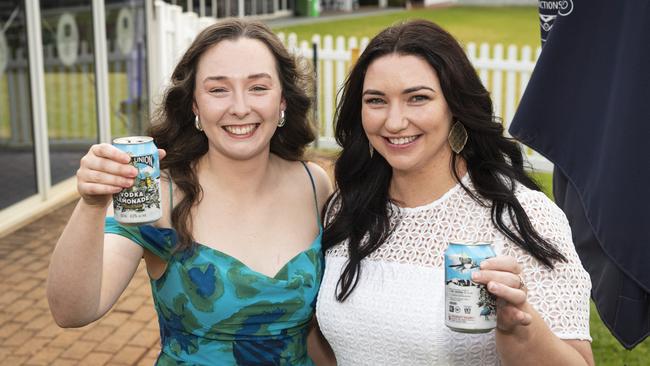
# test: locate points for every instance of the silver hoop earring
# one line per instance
(282, 120)
(197, 123)
(371, 150)
(457, 137)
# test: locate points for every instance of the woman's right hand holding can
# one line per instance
(104, 171)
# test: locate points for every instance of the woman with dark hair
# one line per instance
(423, 163)
(235, 262)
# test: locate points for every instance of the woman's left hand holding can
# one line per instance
(503, 277)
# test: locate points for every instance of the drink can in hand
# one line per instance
(140, 203)
(469, 307)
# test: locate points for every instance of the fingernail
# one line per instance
(483, 264)
(476, 276)
(492, 286)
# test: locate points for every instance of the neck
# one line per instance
(423, 186)
(237, 177)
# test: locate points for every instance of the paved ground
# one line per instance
(128, 335)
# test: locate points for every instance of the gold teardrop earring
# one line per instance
(457, 137)
(197, 123)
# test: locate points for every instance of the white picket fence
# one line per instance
(505, 71)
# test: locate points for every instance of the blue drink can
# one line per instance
(140, 203)
(469, 307)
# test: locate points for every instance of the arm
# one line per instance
(323, 184)
(530, 321)
(89, 270)
(317, 347)
(522, 336)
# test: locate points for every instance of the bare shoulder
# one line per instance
(322, 182)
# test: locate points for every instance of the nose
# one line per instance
(396, 121)
(239, 106)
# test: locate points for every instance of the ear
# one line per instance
(283, 104)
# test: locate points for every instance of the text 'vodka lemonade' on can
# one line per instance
(469, 307)
(140, 203)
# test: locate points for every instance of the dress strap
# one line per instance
(313, 187)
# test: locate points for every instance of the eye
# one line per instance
(419, 98)
(374, 101)
(259, 88)
(218, 90)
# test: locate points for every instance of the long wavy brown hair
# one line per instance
(173, 128)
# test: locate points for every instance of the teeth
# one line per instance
(402, 140)
(240, 130)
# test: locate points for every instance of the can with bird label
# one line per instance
(469, 307)
(140, 203)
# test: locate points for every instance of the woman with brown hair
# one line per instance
(423, 163)
(235, 262)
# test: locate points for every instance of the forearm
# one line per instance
(536, 344)
(75, 273)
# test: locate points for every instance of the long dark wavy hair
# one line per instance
(173, 128)
(359, 212)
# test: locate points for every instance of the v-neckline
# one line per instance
(222, 254)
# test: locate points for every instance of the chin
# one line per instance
(400, 165)
(247, 153)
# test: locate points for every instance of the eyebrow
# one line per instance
(250, 77)
(405, 91)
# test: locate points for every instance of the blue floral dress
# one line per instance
(215, 310)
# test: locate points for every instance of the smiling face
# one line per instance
(238, 97)
(405, 115)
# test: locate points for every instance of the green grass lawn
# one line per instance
(506, 25)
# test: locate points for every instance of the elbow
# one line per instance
(64, 316)
(64, 320)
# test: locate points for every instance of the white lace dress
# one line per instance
(395, 316)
